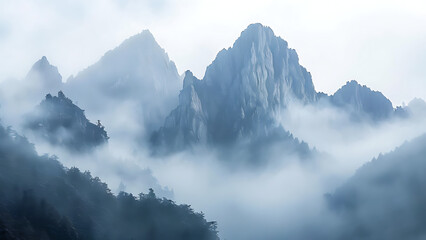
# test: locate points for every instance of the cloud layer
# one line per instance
(281, 197)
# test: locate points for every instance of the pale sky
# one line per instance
(381, 44)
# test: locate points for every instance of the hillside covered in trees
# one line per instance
(385, 198)
(40, 199)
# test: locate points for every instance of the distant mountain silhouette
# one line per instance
(416, 107)
(139, 72)
(19, 95)
(385, 198)
(46, 76)
(240, 98)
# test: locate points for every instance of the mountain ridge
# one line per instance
(136, 80)
(241, 93)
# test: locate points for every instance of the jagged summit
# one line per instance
(138, 63)
(44, 75)
(261, 61)
(188, 79)
(361, 101)
(137, 72)
(241, 94)
(258, 34)
(43, 66)
(354, 84)
(255, 32)
(257, 27)
(139, 47)
(43, 60)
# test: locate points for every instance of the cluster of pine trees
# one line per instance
(40, 199)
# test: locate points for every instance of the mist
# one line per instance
(281, 195)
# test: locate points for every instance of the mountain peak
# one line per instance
(260, 51)
(137, 71)
(143, 39)
(241, 94)
(45, 74)
(258, 34)
(361, 100)
(147, 34)
(44, 60)
(353, 83)
(138, 62)
(42, 63)
(188, 79)
(257, 28)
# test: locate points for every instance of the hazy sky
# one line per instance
(379, 43)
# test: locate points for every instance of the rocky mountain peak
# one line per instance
(256, 33)
(361, 101)
(43, 60)
(242, 92)
(188, 80)
(261, 65)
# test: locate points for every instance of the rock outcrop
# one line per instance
(361, 102)
(61, 122)
(241, 95)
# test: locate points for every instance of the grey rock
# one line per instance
(59, 121)
(361, 102)
(241, 95)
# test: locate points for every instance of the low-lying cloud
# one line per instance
(281, 198)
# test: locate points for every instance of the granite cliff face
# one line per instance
(187, 123)
(62, 123)
(239, 99)
(241, 94)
